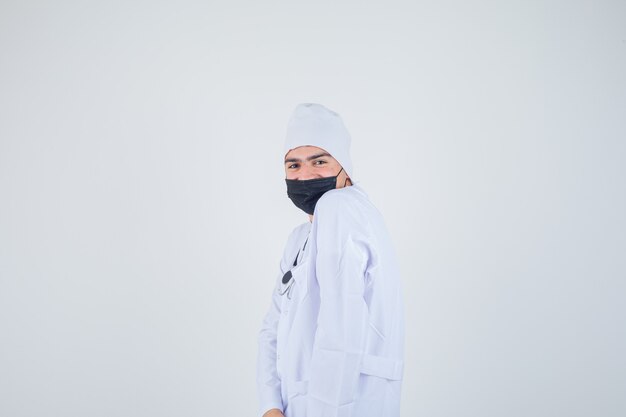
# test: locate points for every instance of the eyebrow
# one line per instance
(310, 158)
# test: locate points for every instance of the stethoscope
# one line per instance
(288, 275)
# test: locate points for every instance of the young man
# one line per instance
(332, 342)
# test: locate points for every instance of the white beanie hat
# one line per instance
(312, 124)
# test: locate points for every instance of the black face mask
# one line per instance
(305, 193)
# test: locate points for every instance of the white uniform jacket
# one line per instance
(332, 345)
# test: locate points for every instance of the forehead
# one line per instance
(302, 152)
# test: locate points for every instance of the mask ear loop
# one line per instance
(347, 178)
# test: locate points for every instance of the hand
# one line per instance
(274, 412)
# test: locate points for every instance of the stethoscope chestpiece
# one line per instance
(287, 277)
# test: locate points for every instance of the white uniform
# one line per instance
(333, 344)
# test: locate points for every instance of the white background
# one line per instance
(143, 209)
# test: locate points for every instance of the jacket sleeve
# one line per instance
(342, 255)
(268, 382)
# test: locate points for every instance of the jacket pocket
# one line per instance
(296, 398)
(297, 388)
(379, 375)
(382, 367)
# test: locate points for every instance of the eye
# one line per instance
(292, 166)
(321, 162)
